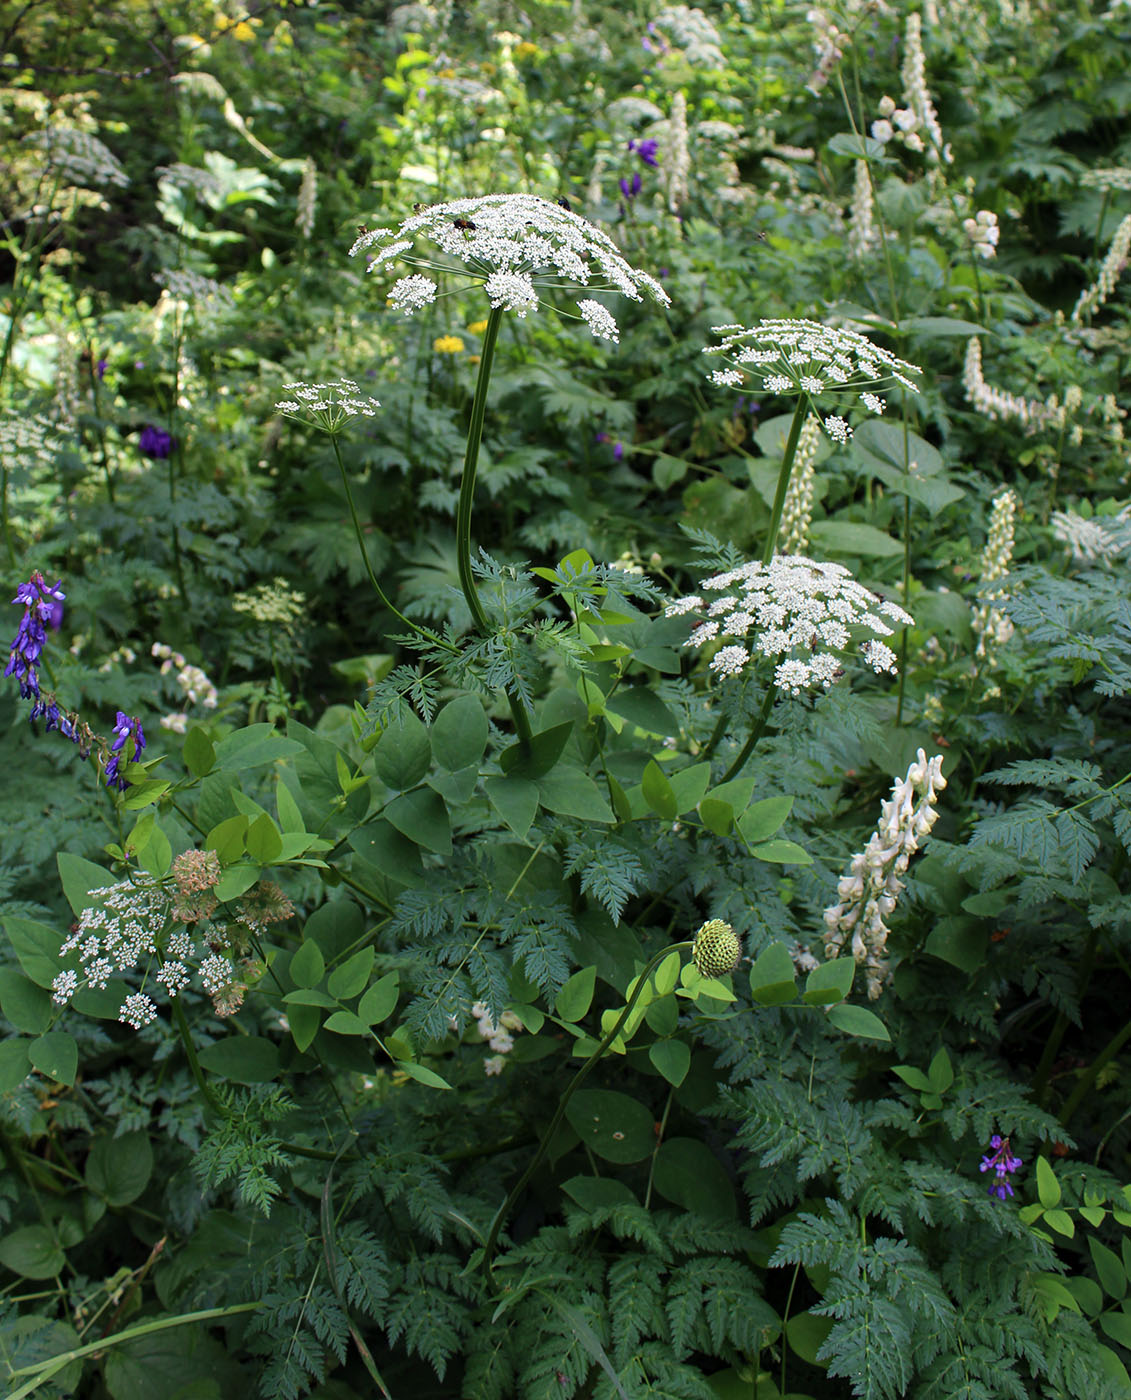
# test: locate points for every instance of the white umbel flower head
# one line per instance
(804, 357)
(868, 893)
(511, 243)
(797, 613)
(327, 406)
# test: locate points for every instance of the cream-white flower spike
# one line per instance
(868, 893)
(512, 243)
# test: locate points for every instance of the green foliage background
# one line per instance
(766, 1184)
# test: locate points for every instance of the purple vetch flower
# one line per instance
(100, 368)
(124, 728)
(155, 442)
(631, 188)
(47, 708)
(42, 604)
(646, 150)
(1001, 1161)
(618, 450)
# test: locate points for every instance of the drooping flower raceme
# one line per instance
(42, 604)
(797, 612)
(512, 243)
(804, 357)
(327, 406)
(868, 893)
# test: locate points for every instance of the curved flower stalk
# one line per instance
(868, 893)
(512, 244)
(328, 407)
(809, 360)
(998, 404)
(798, 614)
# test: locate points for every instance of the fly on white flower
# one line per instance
(796, 612)
(513, 244)
(804, 357)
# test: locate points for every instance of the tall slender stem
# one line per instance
(408, 622)
(756, 731)
(906, 594)
(574, 1084)
(799, 415)
(466, 500)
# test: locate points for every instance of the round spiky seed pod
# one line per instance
(716, 949)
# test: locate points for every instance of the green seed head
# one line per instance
(716, 949)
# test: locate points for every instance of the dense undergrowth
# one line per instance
(546, 863)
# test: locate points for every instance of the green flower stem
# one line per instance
(716, 735)
(800, 413)
(42, 1371)
(575, 1083)
(466, 500)
(194, 1064)
(756, 731)
(906, 592)
(408, 622)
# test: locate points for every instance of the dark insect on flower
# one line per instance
(364, 228)
(418, 208)
(465, 224)
(563, 202)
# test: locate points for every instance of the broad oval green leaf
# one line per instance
(459, 734)
(404, 753)
(614, 1126)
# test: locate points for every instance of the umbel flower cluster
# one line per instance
(804, 357)
(327, 406)
(510, 243)
(867, 895)
(141, 924)
(798, 612)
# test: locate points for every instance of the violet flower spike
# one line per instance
(646, 150)
(1002, 1162)
(42, 604)
(124, 728)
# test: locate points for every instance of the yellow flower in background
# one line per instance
(477, 328)
(474, 359)
(448, 344)
(526, 49)
(243, 32)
